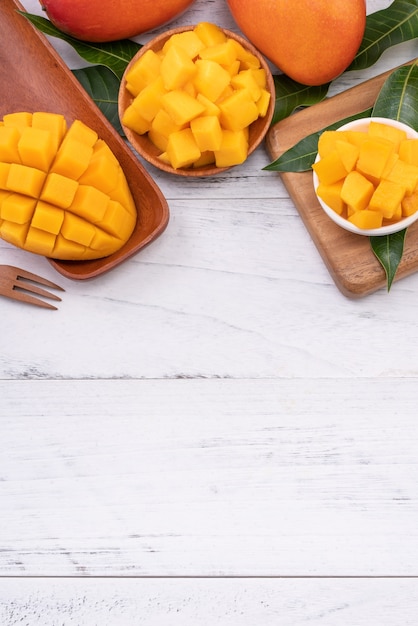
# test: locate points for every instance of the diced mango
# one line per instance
(189, 40)
(59, 190)
(386, 198)
(9, 139)
(404, 174)
(72, 159)
(54, 123)
(25, 179)
(246, 80)
(43, 206)
(383, 177)
(17, 208)
(143, 72)
(408, 151)
(373, 156)
(177, 68)
(233, 150)
(330, 169)
(331, 195)
(410, 204)
(356, 191)
(211, 79)
(223, 53)
(207, 132)
(238, 110)
(134, 120)
(348, 154)
(367, 219)
(204, 73)
(181, 107)
(210, 34)
(148, 101)
(182, 149)
(395, 135)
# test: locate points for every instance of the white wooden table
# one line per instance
(212, 433)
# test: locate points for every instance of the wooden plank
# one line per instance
(209, 477)
(203, 602)
(348, 257)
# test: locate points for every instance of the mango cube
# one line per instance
(238, 110)
(386, 198)
(233, 150)
(210, 34)
(143, 72)
(410, 204)
(330, 169)
(331, 195)
(211, 79)
(356, 191)
(408, 151)
(189, 40)
(181, 107)
(9, 139)
(223, 53)
(367, 219)
(207, 132)
(373, 156)
(182, 149)
(177, 68)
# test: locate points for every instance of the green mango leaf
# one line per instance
(115, 54)
(388, 27)
(102, 86)
(388, 249)
(291, 95)
(398, 97)
(398, 100)
(301, 156)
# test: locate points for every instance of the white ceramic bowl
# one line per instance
(362, 125)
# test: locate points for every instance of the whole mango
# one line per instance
(63, 193)
(109, 20)
(311, 41)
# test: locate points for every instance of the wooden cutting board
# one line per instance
(348, 257)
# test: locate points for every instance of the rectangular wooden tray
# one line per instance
(348, 257)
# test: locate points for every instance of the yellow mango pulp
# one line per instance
(369, 172)
(63, 193)
(201, 74)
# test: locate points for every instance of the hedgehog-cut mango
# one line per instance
(63, 193)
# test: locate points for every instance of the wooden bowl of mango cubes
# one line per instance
(196, 100)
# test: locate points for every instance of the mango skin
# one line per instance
(311, 41)
(63, 193)
(110, 20)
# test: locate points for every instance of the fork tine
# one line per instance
(16, 294)
(37, 279)
(23, 285)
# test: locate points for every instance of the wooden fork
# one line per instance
(19, 284)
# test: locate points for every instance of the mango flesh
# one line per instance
(195, 97)
(369, 178)
(63, 193)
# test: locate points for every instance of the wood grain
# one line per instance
(348, 257)
(205, 602)
(209, 477)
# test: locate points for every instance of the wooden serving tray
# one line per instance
(348, 257)
(33, 77)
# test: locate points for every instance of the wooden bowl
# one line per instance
(144, 146)
(45, 83)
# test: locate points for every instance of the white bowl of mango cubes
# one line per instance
(196, 100)
(365, 176)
